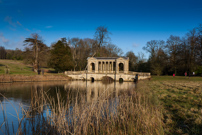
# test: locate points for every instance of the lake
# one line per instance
(16, 99)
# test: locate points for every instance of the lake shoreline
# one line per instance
(32, 78)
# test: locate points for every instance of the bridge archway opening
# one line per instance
(92, 79)
(120, 80)
(121, 67)
(92, 67)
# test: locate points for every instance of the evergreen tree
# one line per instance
(61, 57)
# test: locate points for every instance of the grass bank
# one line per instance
(181, 99)
(20, 72)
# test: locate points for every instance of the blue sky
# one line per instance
(131, 22)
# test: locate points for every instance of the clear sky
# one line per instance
(131, 22)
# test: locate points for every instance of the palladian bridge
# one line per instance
(116, 68)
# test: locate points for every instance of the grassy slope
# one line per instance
(182, 101)
(16, 67)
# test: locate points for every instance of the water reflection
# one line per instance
(24, 92)
(31, 95)
(99, 89)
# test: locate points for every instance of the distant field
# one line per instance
(176, 78)
(15, 67)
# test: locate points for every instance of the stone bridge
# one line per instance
(83, 75)
(116, 68)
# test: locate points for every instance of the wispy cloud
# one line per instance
(9, 20)
(14, 24)
(135, 45)
(19, 23)
(27, 29)
(3, 39)
(48, 27)
(22, 26)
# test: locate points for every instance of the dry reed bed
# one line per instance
(34, 78)
(134, 112)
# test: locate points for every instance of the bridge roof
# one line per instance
(109, 58)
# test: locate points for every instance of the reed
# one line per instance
(132, 112)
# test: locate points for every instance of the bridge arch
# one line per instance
(121, 67)
(92, 67)
(120, 80)
(92, 79)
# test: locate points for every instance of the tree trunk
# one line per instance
(36, 63)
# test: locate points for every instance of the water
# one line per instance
(15, 96)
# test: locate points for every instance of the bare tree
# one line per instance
(36, 45)
(132, 60)
(74, 42)
(157, 55)
(173, 47)
(102, 36)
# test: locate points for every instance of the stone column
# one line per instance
(108, 67)
(96, 66)
(89, 66)
(105, 66)
(101, 66)
(117, 67)
(112, 66)
(126, 63)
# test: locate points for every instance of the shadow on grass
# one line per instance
(1, 65)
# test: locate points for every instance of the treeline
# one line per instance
(176, 55)
(16, 54)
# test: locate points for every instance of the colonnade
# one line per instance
(107, 65)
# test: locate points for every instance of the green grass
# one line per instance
(17, 67)
(181, 99)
